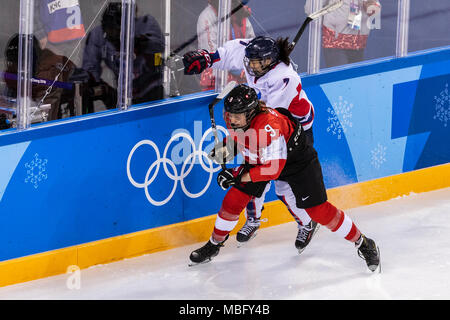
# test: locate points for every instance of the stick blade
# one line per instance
(230, 86)
(331, 7)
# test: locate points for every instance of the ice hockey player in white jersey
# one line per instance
(269, 71)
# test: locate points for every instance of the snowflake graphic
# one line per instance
(36, 171)
(341, 109)
(378, 156)
(442, 105)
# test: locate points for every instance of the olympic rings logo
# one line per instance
(186, 168)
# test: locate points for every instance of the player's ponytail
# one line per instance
(283, 47)
(262, 108)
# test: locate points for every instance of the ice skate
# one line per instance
(205, 253)
(305, 234)
(368, 250)
(248, 231)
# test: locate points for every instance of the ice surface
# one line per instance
(413, 234)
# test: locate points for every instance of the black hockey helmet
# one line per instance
(12, 50)
(262, 49)
(242, 99)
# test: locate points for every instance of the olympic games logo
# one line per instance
(172, 172)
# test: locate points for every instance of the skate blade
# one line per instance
(314, 232)
(243, 244)
(193, 264)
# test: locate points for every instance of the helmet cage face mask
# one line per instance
(249, 115)
(264, 66)
(262, 51)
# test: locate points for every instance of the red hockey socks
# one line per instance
(232, 205)
(334, 219)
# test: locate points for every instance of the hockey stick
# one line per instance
(230, 86)
(173, 61)
(195, 37)
(313, 16)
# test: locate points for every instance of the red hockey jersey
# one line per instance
(264, 144)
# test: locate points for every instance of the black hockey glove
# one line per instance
(226, 179)
(230, 177)
(195, 62)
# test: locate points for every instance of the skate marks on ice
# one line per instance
(412, 233)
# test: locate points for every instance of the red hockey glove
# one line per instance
(196, 62)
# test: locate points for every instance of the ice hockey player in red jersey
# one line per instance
(269, 71)
(274, 146)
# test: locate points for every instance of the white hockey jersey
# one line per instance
(281, 87)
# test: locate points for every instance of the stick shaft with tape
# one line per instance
(313, 16)
(230, 86)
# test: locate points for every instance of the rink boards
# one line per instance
(108, 186)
